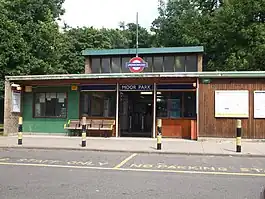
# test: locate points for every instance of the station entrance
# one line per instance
(136, 114)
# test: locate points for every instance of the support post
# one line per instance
(238, 135)
(20, 122)
(83, 131)
(154, 111)
(159, 134)
(198, 108)
(117, 110)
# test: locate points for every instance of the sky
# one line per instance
(108, 13)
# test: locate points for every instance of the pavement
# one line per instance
(218, 147)
(68, 174)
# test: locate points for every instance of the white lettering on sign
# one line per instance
(128, 87)
(144, 87)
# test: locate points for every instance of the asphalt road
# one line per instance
(40, 174)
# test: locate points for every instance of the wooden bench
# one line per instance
(74, 127)
(93, 127)
(100, 127)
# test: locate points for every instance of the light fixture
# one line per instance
(15, 85)
(146, 93)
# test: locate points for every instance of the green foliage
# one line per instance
(232, 31)
(74, 41)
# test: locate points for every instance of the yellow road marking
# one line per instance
(136, 170)
(195, 172)
(124, 161)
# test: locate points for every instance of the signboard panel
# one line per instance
(259, 104)
(98, 87)
(136, 87)
(232, 103)
(136, 65)
(16, 101)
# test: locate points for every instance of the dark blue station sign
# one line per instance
(136, 87)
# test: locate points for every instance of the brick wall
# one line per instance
(87, 65)
(10, 119)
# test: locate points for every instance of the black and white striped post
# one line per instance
(83, 131)
(20, 121)
(238, 135)
(159, 134)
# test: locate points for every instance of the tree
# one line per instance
(36, 51)
(177, 23)
(74, 41)
(116, 37)
(231, 31)
(144, 36)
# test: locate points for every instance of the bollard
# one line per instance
(83, 131)
(159, 134)
(20, 130)
(238, 135)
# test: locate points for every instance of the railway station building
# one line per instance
(131, 89)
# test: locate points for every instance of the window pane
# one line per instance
(98, 104)
(116, 65)
(161, 103)
(110, 104)
(123, 64)
(50, 105)
(190, 104)
(105, 65)
(180, 64)
(169, 63)
(95, 65)
(191, 64)
(158, 64)
(84, 104)
(61, 105)
(149, 61)
(39, 105)
(169, 104)
(175, 105)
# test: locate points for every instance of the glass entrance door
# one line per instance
(136, 114)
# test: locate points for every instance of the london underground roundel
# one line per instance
(136, 65)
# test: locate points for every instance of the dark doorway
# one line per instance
(136, 114)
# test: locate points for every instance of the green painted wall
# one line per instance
(49, 125)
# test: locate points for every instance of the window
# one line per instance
(98, 104)
(149, 61)
(50, 105)
(158, 64)
(105, 65)
(176, 104)
(123, 64)
(95, 65)
(180, 63)
(191, 64)
(116, 64)
(189, 104)
(169, 104)
(169, 64)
